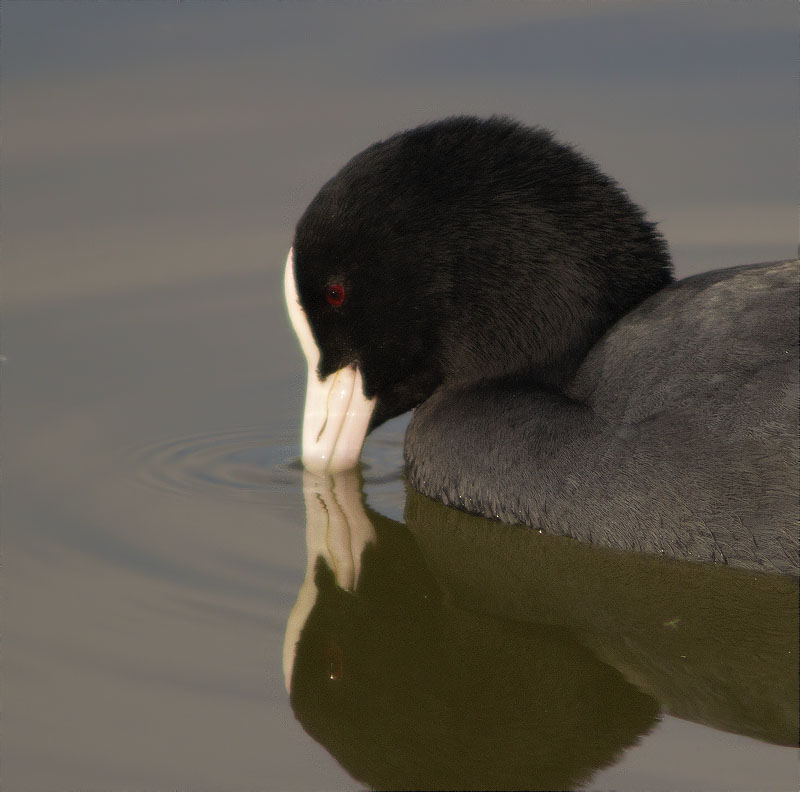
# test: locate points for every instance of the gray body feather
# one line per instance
(677, 435)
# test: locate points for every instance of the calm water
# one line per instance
(155, 522)
(154, 558)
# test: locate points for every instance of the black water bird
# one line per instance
(497, 282)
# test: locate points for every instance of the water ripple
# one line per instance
(242, 464)
(252, 464)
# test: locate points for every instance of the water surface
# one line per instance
(155, 159)
(154, 566)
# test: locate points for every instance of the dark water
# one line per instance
(153, 559)
(155, 157)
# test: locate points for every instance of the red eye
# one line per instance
(334, 294)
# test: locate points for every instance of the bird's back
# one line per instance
(680, 439)
(699, 390)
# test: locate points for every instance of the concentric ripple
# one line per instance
(252, 464)
(243, 464)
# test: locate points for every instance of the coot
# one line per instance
(497, 282)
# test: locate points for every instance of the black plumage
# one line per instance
(501, 284)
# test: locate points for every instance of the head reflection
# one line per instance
(408, 691)
(337, 530)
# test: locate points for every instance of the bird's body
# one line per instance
(498, 283)
(674, 436)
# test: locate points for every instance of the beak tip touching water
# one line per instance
(335, 422)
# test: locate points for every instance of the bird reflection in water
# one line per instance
(454, 652)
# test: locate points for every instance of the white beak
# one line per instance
(337, 413)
